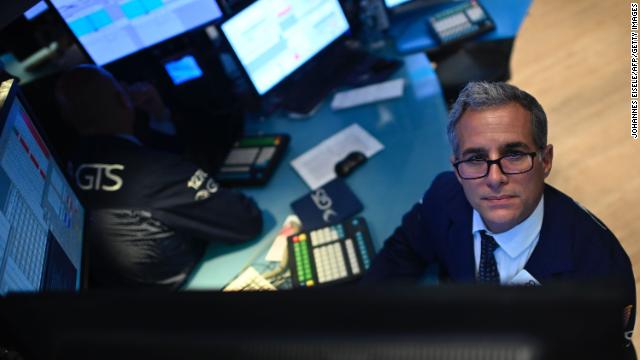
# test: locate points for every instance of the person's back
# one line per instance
(152, 212)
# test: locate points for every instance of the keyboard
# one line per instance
(460, 22)
(252, 160)
(330, 255)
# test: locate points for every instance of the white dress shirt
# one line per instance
(516, 245)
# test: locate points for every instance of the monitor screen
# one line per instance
(273, 38)
(394, 3)
(183, 69)
(111, 29)
(41, 218)
(36, 10)
(400, 6)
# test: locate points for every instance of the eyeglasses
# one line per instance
(510, 164)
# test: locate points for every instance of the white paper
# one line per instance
(249, 279)
(278, 249)
(316, 166)
(368, 94)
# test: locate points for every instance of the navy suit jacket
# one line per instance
(573, 243)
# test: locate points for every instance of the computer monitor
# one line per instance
(183, 69)
(27, 34)
(41, 218)
(394, 3)
(274, 38)
(110, 30)
(444, 322)
(408, 6)
(36, 10)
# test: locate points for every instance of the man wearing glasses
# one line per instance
(493, 219)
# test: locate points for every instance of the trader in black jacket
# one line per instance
(151, 212)
(493, 219)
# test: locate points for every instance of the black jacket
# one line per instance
(151, 212)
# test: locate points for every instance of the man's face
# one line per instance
(502, 200)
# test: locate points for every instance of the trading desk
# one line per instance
(411, 128)
(410, 32)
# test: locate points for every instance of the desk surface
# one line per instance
(410, 32)
(412, 129)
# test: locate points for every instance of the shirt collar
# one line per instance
(520, 237)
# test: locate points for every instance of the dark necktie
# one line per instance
(488, 271)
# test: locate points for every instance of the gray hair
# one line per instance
(482, 95)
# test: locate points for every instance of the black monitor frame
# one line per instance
(24, 37)
(413, 5)
(9, 93)
(561, 321)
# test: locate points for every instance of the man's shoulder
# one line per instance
(445, 195)
(572, 213)
(445, 178)
(563, 205)
(445, 187)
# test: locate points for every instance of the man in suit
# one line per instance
(493, 219)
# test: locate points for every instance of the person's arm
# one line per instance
(189, 200)
(146, 98)
(155, 123)
(602, 257)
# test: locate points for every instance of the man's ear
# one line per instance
(453, 159)
(547, 160)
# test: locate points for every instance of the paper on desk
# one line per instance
(249, 280)
(368, 94)
(290, 227)
(316, 166)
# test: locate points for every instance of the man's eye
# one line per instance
(475, 158)
(515, 154)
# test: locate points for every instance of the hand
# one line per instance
(145, 97)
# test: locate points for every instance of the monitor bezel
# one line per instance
(282, 84)
(9, 92)
(85, 52)
(413, 5)
(207, 324)
(396, 5)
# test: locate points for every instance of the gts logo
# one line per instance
(324, 203)
(99, 177)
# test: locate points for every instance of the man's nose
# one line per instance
(496, 177)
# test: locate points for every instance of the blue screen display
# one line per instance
(273, 38)
(36, 10)
(111, 29)
(182, 70)
(41, 218)
(393, 3)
